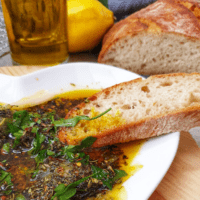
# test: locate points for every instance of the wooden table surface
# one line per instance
(182, 181)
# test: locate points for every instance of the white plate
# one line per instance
(156, 155)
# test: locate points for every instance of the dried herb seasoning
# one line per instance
(34, 164)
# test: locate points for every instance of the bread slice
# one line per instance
(162, 38)
(141, 109)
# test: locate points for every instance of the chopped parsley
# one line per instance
(107, 178)
(20, 197)
(73, 121)
(5, 181)
(74, 152)
(6, 147)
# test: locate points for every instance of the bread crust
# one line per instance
(177, 120)
(182, 120)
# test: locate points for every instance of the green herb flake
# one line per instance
(6, 147)
(35, 129)
(66, 192)
(17, 136)
(87, 101)
(18, 123)
(119, 174)
(50, 153)
(20, 197)
(73, 152)
(41, 156)
(37, 143)
(35, 173)
(107, 179)
(73, 121)
(5, 179)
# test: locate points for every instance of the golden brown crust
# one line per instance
(163, 16)
(192, 5)
(171, 17)
(181, 120)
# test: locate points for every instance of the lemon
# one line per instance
(88, 21)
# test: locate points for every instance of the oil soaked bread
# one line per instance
(140, 109)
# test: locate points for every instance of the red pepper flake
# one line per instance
(36, 119)
(60, 169)
(45, 188)
(43, 124)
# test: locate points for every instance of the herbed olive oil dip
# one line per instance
(35, 165)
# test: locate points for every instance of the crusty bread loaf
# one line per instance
(162, 38)
(140, 109)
